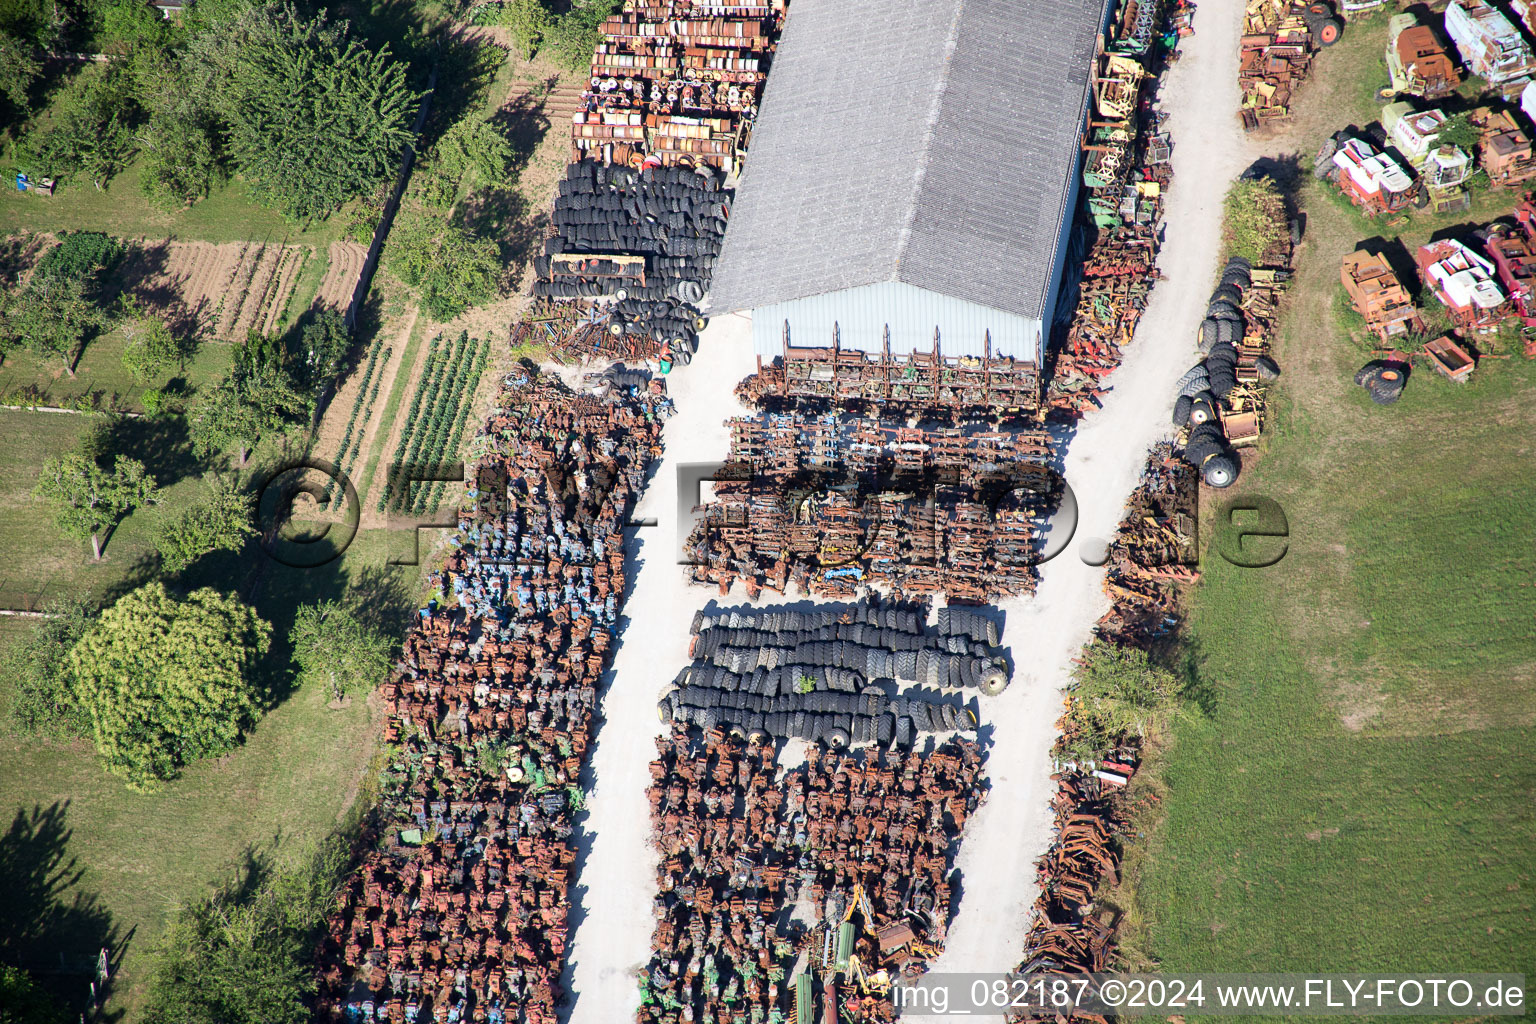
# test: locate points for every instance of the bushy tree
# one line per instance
(528, 21)
(333, 648)
(314, 119)
(55, 315)
(19, 68)
(453, 269)
(89, 131)
(88, 499)
(1119, 691)
(323, 342)
(81, 256)
(150, 350)
(34, 664)
(220, 521)
(23, 1001)
(243, 956)
(470, 153)
(232, 415)
(167, 681)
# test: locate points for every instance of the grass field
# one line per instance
(228, 215)
(1362, 798)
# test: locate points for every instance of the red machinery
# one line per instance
(1463, 282)
(1372, 180)
(1513, 248)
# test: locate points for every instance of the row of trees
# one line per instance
(309, 117)
(159, 680)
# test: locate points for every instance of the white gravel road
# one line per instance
(1044, 632)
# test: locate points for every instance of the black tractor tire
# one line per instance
(1367, 371)
(1267, 368)
(1228, 292)
(993, 682)
(1223, 383)
(1222, 308)
(1224, 354)
(1181, 410)
(1196, 386)
(1220, 470)
(1329, 31)
(1237, 278)
(837, 737)
(1421, 200)
(1202, 410)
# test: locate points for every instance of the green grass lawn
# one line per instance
(100, 369)
(128, 861)
(1363, 797)
(228, 215)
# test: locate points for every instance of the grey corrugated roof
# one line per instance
(925, 141)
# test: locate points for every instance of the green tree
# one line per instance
(220, 521)
(470, 153)
(334, 649)
(23, 1001)
(244, 955)
(150, 350)
(1119, 691)
(53, 317)
(88, 499)
(19, 68)
(233, 414)
(34, 664)
(314, 119)
(1458, 131)
(528, 21)
(573, 35)
(454, 269)
(167, 681)
(324, 341)
(90, 129)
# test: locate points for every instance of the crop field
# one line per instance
(225, 290)
(1362, 797)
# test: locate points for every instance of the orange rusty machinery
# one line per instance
(1378, 295)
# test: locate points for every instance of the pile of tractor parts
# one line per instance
(1279, 40)
(1117, 278)
(1379, 296)
(862, 841)
(1126, 176)
(825, 505)
(896, 385)
(1069, 935)
(1153, 552)
(677, 82)
(1417, 61)
(631, 251)
(460, 910)
(1463, 281)
(770, 674)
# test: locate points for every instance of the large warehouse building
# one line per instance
(912, 178)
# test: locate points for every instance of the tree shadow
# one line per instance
(525, 121)
(163, 444)
(466, 70)
(51, 928)
(1198, 689)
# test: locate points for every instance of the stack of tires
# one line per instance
(782, 673)
(1325, 26)
(673, 216)
(1383, 380)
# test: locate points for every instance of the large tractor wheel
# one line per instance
(1328, 32)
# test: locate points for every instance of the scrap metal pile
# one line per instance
(813, 675)
(1152, 553)
(920, 383)
(661, 132)
(1126, 175)
(827, 504)
(868, 834)
(1279, 40)
(632, 251)
(677, 81)
(1068, 936)
(460, 912)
